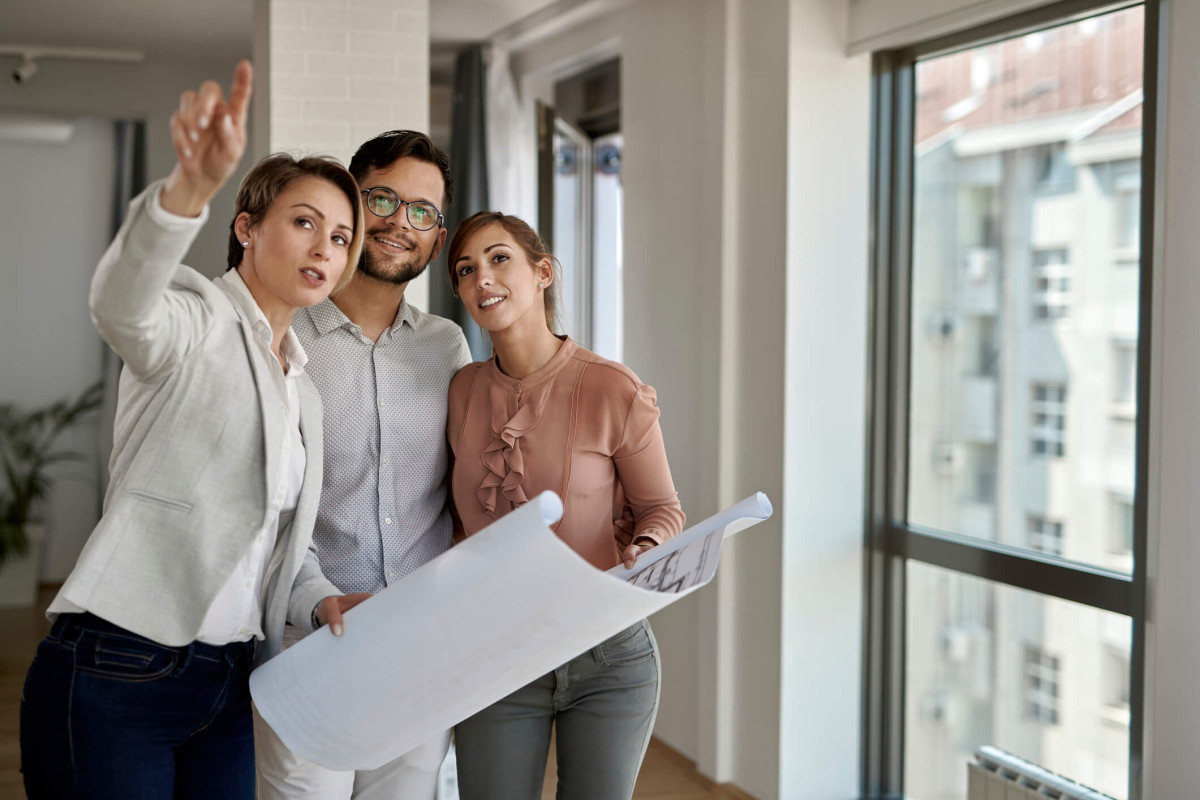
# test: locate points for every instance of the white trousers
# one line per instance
(283, 775)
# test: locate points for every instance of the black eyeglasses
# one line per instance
(383, 202)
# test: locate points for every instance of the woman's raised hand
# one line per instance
(208, 133)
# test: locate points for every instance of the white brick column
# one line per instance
(330, 74)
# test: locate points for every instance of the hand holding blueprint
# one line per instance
(506, 606)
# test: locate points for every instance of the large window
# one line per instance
(1008, 443)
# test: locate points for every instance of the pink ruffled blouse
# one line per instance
(581, 426)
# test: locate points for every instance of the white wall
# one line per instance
(147, 91)
(55, 214)
(671, 110)
(825, 462)
(753, 319)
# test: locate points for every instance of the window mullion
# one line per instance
(1079, 583)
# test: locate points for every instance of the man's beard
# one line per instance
(401, 272)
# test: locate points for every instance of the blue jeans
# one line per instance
(602, 705)
(110, 714)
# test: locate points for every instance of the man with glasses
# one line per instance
(383, 369)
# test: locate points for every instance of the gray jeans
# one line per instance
(602, 704)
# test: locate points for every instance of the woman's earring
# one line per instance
(541, 285)
(245, 244)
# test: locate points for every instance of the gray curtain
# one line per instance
(468, 164)
(129, 179)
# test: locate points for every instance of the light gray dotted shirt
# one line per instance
(383, 504)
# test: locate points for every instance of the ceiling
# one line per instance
(474, 20)
(215, 28)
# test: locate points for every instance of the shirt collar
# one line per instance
(291, 349)
(405, 314)
(326, 316)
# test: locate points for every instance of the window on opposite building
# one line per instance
(1127, 210)
(1045, 535)
(1124, 374)
(1048, 419)
(1051, 283)
(1121, 539)
(1115, 676)
(1041, 686)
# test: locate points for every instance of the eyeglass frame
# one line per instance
(399, 202)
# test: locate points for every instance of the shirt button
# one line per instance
(279, 495)
(381, 404)
(384, 459)
(249, 584)
(387, 520)
(392, 574)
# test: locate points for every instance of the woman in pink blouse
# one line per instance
(544, 413)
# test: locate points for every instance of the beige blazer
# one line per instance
(195, 448)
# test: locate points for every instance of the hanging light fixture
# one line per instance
(25, 72)
(29, 53)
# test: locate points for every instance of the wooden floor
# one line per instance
(666, 775)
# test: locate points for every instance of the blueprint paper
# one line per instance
(502, 608)
(690, 559)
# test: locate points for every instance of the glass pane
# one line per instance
(1025, 289)
(568, 221)
(607, 244)
(1040, 677)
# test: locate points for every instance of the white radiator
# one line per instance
(997, 775)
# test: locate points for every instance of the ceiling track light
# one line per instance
(25, 72)
(29, 53)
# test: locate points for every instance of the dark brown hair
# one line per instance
(388, 148)
(526, 238)
(270, 177)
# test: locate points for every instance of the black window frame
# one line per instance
(890, 541)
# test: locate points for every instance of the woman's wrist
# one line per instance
(184, 197)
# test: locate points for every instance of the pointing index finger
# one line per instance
(239, 93)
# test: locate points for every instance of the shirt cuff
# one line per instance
(165, 219)
(649, 537)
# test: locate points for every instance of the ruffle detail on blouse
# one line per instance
(502, 455)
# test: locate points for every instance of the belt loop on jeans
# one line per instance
(183, 658)
(58, 628)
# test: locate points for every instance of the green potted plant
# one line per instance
(27, 450)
